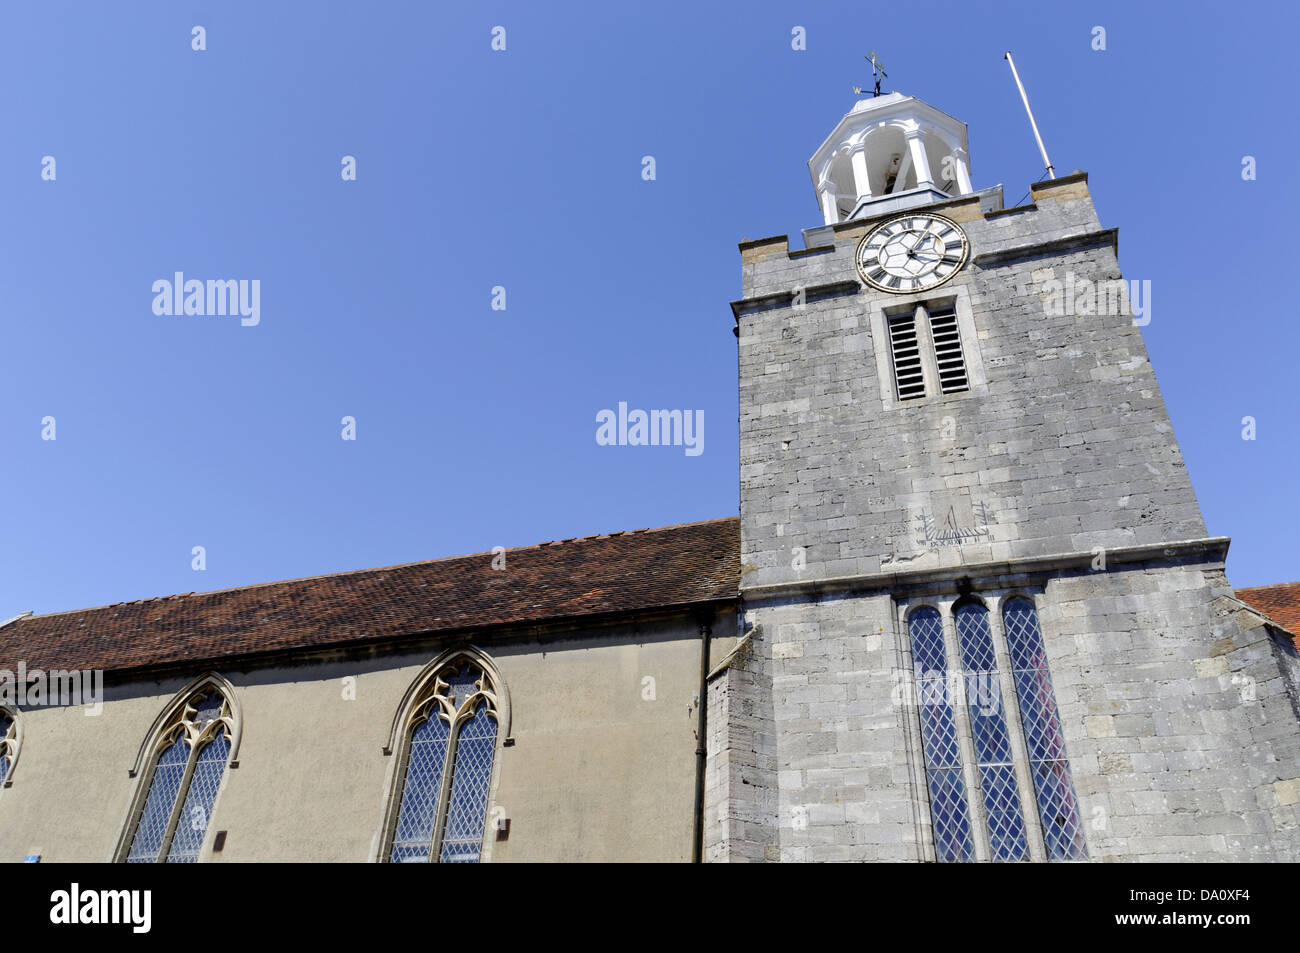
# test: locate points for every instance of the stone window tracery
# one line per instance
(448, 752)
(186, 757)
(10, 741)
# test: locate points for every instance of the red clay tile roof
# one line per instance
(1281, 603)
(623, 572)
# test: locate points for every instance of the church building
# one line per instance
(969, 610)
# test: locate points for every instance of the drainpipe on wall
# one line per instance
(701, 740)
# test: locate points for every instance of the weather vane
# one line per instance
(877, 73)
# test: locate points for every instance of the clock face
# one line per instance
(912, 253)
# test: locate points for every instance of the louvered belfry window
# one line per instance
(926, 350)
(947, 351)
(908, 376)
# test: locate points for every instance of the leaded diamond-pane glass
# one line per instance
(1038, 713)
(952, 834)
(158, 805)
(418, 814)
(938, 728)
(462, 840)
(1002, 811)
(1062, 830)
(1024, 637)
(975, 639)
(987, 718)
(997, 776)
(1057, 806)
(196, 813)
(928, 656)
(1007, 838)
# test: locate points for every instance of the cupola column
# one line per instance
(830, 210)
(920, 162)
(861, 182)
(961, 168)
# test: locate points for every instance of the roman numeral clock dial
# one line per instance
(912, 253)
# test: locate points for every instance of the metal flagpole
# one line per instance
(1041, 148)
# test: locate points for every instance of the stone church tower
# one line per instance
(982, 616)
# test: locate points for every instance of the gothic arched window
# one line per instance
(952, 832)
(449, 728)
(997, 772)
(184, 759)
(10, 740)
(1057, 806)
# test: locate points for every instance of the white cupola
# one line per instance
(890, 153)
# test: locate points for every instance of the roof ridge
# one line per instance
(371, 569)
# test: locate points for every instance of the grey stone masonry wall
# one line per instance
(1063, 445)
(1288, 656)
(1179, 722)
(1056, 477)
(740, 778)
(848, 776)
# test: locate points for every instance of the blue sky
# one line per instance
(521, 168)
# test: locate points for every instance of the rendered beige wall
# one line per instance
(597, 772)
